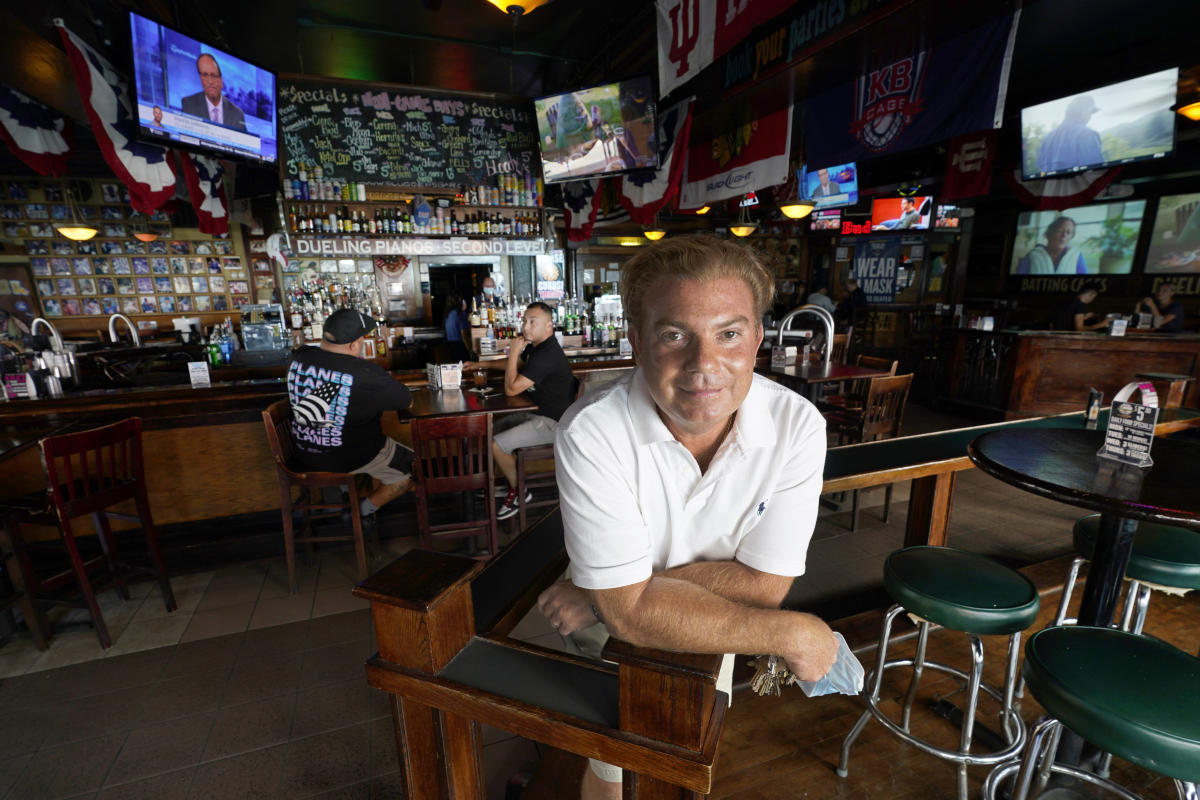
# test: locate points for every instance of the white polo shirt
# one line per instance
(633, 499)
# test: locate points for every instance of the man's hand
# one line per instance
(568, 607)
(813, 650)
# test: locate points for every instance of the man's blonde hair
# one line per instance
(693, 258)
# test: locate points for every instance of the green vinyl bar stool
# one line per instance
(1129, 695)
(963, 592)
(1164, 557)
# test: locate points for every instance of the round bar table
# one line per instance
(1061, 463)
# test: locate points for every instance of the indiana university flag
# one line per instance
(949, 89)
(143, 168)
(969, 165)
(752, 156)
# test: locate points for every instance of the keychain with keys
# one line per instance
(771, 673)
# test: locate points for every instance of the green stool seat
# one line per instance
(1162, 554)
(1133, 696)
(961, 591)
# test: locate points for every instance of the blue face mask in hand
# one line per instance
(844, 677)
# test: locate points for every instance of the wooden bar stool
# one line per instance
(87, 473)
(541, 480)
(963, 592)
(277, 419)
(454, 455)
(1129, 695)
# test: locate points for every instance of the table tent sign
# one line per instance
(1130, 431)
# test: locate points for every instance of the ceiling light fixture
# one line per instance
(654, 232)
(703, 210)
(743, 226)
(517, 8)
(797, 209)
(73, 229)
(1191, 111)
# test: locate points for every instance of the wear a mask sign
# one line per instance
(876, 262)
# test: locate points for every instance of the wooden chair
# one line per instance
(879, 418)
(527, 479)
(87, 473)
(855, 396)
(841, 347)
(454, 454)
(444, 656)
(277, 419)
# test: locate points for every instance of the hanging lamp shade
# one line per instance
(74, 229)
(517, 8)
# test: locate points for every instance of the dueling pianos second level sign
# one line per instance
(402, 135)
(416, 246)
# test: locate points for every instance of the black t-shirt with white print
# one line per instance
(337, 401)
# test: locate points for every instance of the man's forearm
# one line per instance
(512, 365)
(735, 582)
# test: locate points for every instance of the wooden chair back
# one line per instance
(858, 389)
(884, 407)
(454, 454)
(277, 420)
(94, 469)
(841, 347)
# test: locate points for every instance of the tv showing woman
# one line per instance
(1057, 256)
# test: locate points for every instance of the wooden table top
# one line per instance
(1062, 464)
(826, 372)
(428, 402)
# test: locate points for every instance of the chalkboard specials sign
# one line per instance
(402, 135)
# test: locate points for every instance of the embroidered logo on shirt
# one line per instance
(762, 507)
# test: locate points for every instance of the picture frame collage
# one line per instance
(114, 272)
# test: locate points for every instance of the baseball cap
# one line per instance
(345, 325)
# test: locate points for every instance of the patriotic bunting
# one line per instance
(1060, 193)
(580, 204)
(204, 177)
(143, 168)
(36, 134)
(645, 193)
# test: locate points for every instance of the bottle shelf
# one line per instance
(395, 203)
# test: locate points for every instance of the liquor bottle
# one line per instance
(474, 316)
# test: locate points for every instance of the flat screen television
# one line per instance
(832, 187)
(201, 98)
(946, 217)
(901, 213)
(602, 130)
(1097, 239)
(1116, 124)
(1175, 237)
(826, 220)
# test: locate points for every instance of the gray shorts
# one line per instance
(524, 430)
(392, 465)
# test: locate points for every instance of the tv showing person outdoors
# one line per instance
(199, 96)
(1127, 121)
(601, 130)
(1097, 239)
(1175, 237)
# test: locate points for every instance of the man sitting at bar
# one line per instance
(1076, 316)
(538, 367)
(689, 489)
(1166, 310)
(337, 400)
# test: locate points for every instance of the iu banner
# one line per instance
(36, 134)
(752, 156)
(644, 193)
(875, 264)
(692, 33)
(928, 96)
(969, 165)
(143, 168)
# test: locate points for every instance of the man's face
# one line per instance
(823, 176)
(1088, 296)
(157, 115)
(210, 78)
(908, 205)
(1165, 295)
(536, 326)
(696, 344)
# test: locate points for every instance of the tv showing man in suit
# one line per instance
(210, 102)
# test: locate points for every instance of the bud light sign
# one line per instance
(876, 262)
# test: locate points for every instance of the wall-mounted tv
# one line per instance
(832, 187)
(602, 130)
(1127, 121)
(1098, 239)
(901, 213)
(199, 97)
(1175, 238)
(946, 217)
(826, 220)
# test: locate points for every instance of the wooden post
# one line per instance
(929, 506)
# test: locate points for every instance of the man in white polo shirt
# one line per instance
(689, 489)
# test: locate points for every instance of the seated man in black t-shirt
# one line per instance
(337, 400)
(1076, 316)
(538, 368)
(1167, 311)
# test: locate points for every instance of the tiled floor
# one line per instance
(246, 691)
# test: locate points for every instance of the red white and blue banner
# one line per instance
(750, 157)
(928, 96)
(692, 33)
(580, 203)
(204, 177)
(643, 194)
(36, 134)
(1058, 193)
(144, 168)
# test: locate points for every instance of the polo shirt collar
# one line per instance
(754, 426)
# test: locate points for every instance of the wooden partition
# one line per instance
(441, 625)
